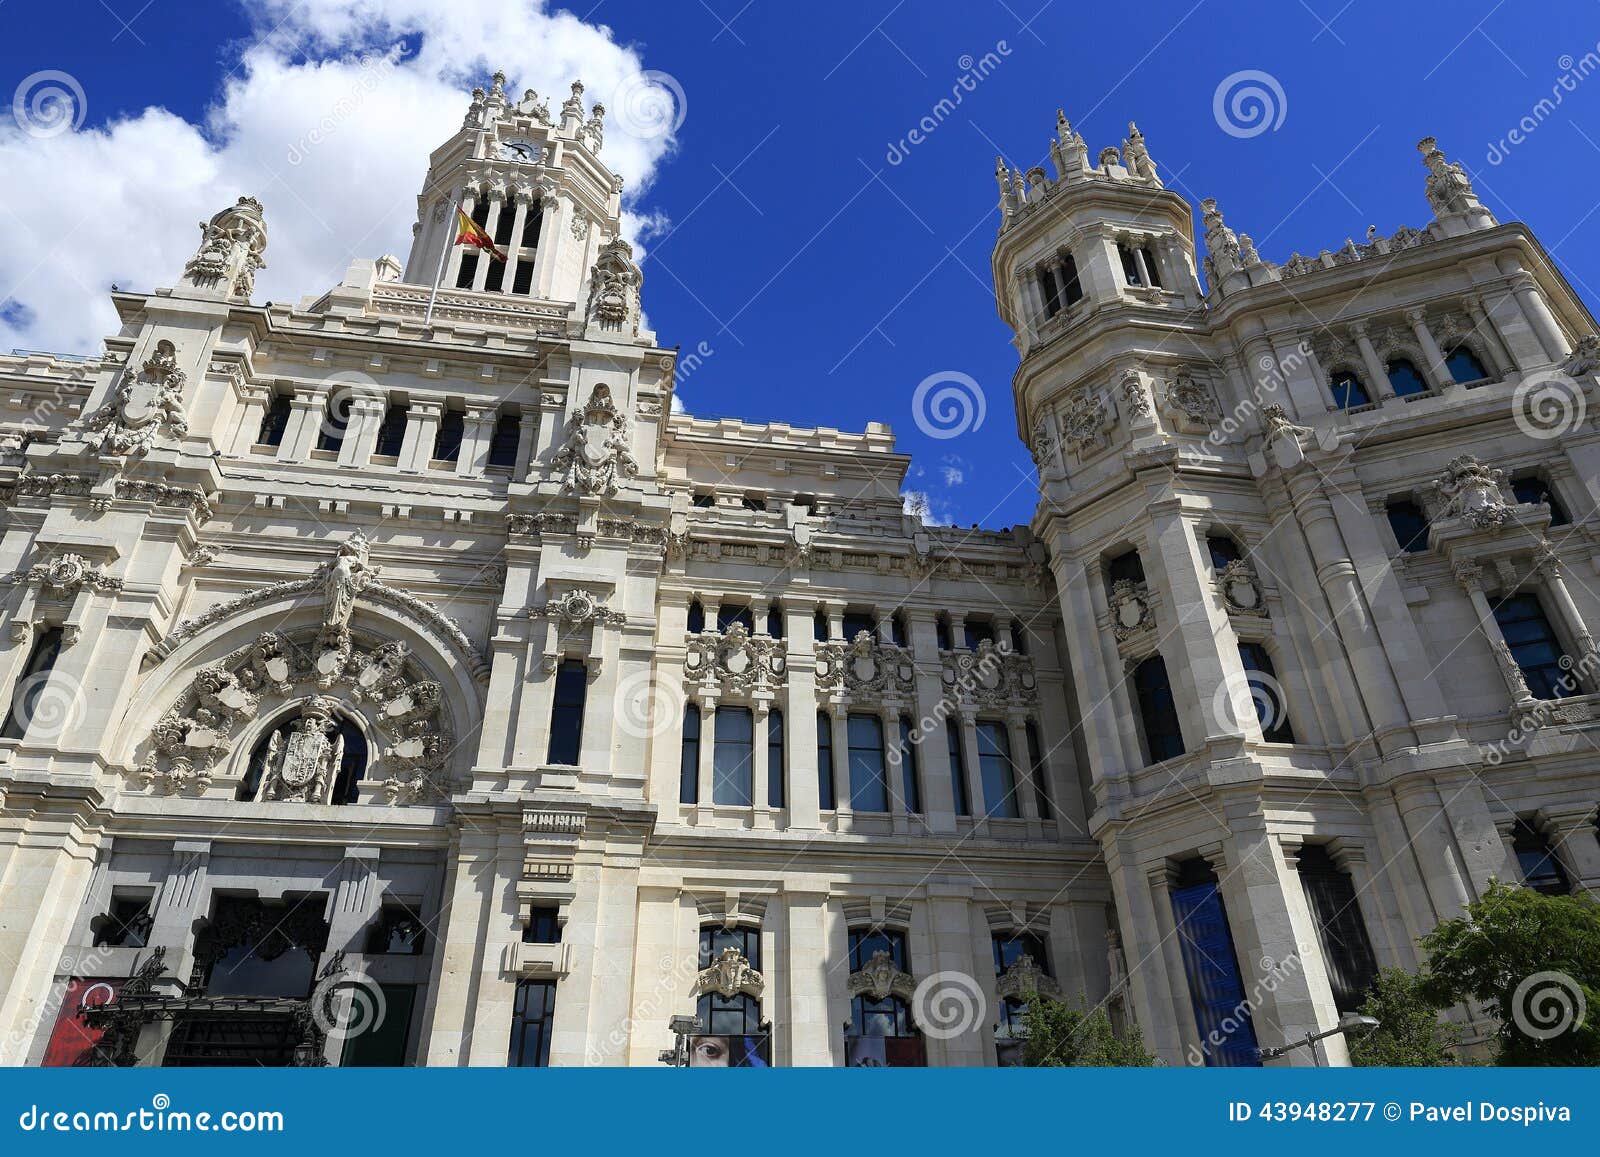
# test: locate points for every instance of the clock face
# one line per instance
(518, 149)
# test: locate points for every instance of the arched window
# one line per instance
(1010, 947)
(1464, 366)
(881, 1031)
(1050, 291)
(1348, 391)
(31, 683)
(1272, 712)
(731, 766)
(1157, 709)
(689, 761)
(869, 788)
(346, 787)
(1405, 379)
(995, 771)
(738, 1015)
(775, 758)
(1126, 565)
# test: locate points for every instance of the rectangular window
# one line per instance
(335, 420)
(1072, 290)
(995, 771)
(1409, 524)
(397, 931)
(958, 767)
(566, 714)
(1272, 711)
(496, 277)
(1051, 292)
(825, 798)
(31, 683)
(275, 421)
(731, 766)
(522, 282)
(1130, 270)
(1157, 709)
(468, 271)
(1041, 785)
(532, 1018)
(689, 762)
(1535, 647)
(506, 441)
(1346, 951)
(126, 925)
(447, 439)
(391, 431)
(856, 622)
(383, 1045)
(975, 631)
(543, 926)
(911, 792)
(731, 613)
(775, 760)
(1540, 869)
(1216, 986)
(869, 790)
(1534, 491)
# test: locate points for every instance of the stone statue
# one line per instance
(343, 579)
(231, 245)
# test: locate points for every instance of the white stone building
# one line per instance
(397, 679)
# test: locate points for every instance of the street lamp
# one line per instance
(1351, 1024)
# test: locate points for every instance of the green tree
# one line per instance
(1409, 1033)
(1534, 962)
(1066, 1035)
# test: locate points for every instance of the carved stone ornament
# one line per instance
(231, 245)
(866, 669)
(1585, 357)
(576, 608)
(1275, 422)
(735, 661)
(1470, 490)
(139, 409)
(1085, 423)
(64, 575)
(988, 676)
(1135, 396)
(595, 454)
(1241, 589)
(730, 975)
(379, 681)
(1130, 609)
(1025, 979)
(614, 283)
(880, 979)
(1190, 403)
(339, 582)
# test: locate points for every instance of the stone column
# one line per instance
(950, 923)
(361, 435)
(933, 750)
(841, 759)
(1438, 373)
(1549, 568)
(480, 277)
(1500, 360)
(708, 745)
(1022, 769)
(357, 896)
(422, 427)
(549, 248)
(760, 761)
(306, 413)
(474, 457)
(527, 439)
(800, 719)
(513, 254)
(810, 1028)
(253, 402)
(1537, 310)
(1470, 576)
(1173, 985)
(1376, 373)
(1092, 675)
(469, 202)
(969, 750)
(1576, 841)
(893, 766)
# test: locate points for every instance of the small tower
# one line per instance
(534, 182)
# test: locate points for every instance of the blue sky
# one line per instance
(827, 279)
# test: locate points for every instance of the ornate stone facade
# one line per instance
(673, 714)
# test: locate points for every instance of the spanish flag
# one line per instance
(470, 233)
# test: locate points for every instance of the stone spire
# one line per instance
(1137, 157)
(572, 110)
(1068, 151)
(1450, 194)
(1223, 255)
(1008, 196)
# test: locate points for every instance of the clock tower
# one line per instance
(534, 181)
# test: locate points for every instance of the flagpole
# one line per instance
(438, 275)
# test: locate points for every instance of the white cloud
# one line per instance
(920, 504)
(326, 119)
